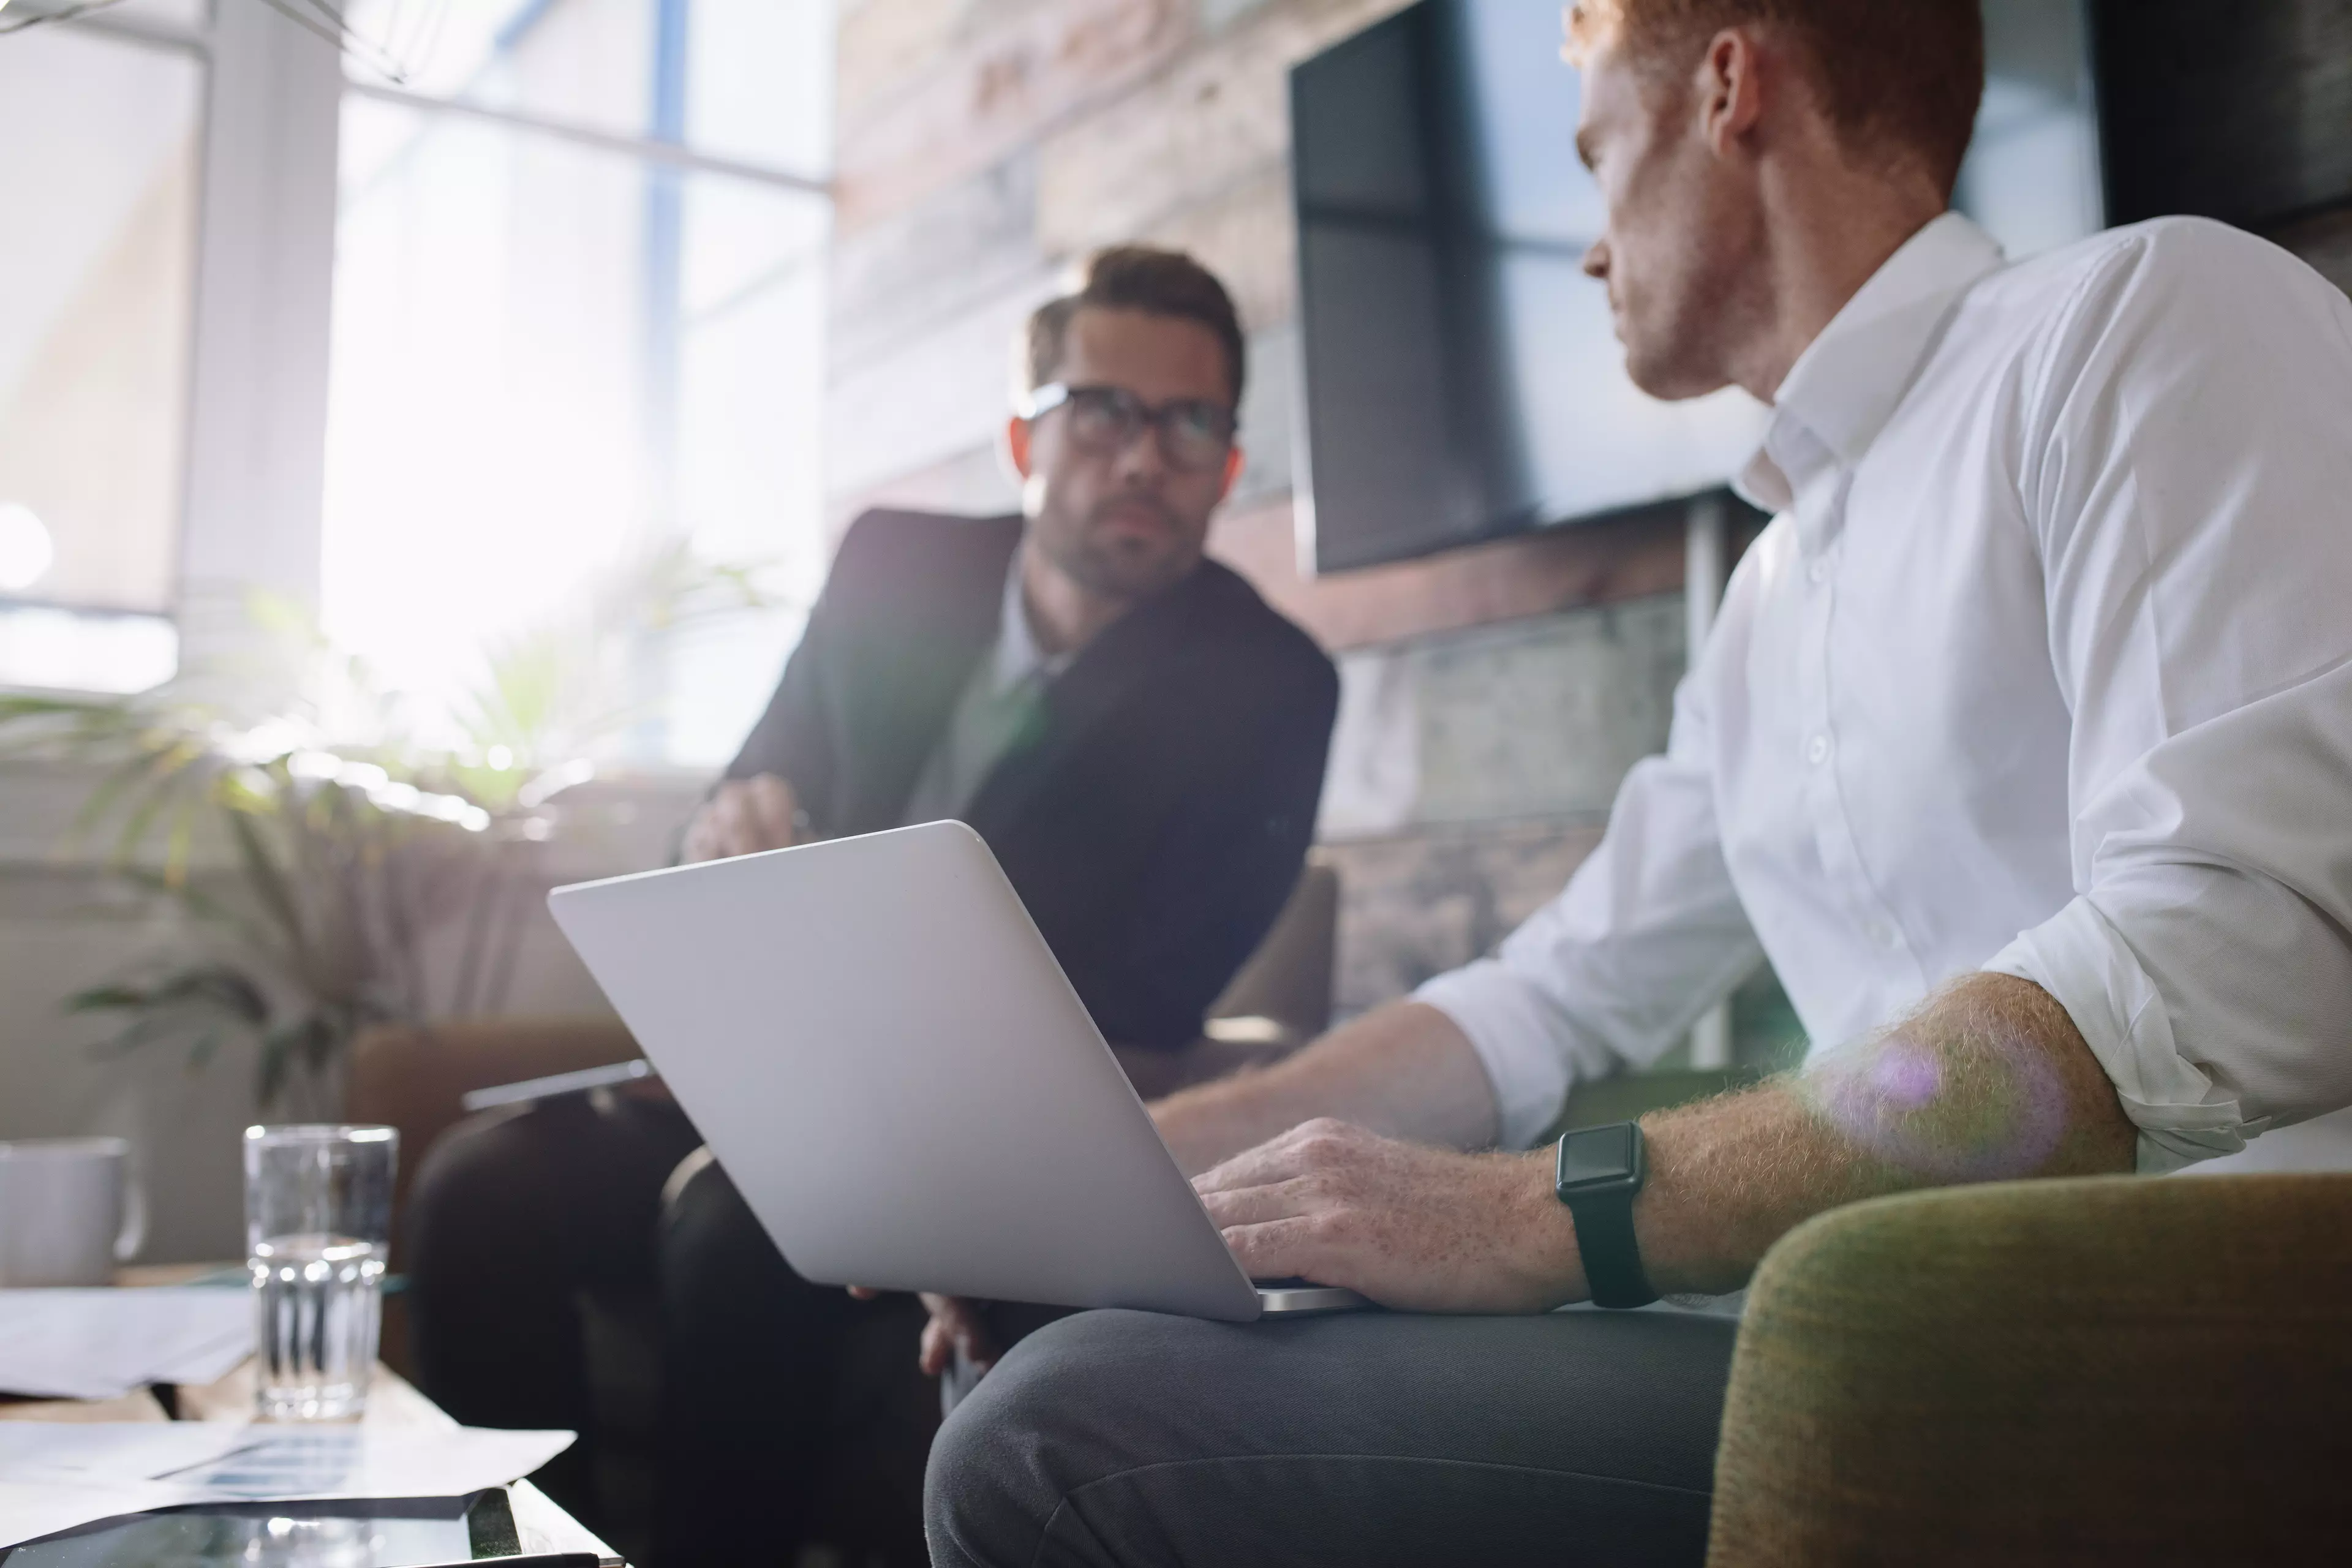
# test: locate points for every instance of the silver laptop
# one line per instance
(887, 1060)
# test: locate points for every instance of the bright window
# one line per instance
(99, 181)
(578, 319)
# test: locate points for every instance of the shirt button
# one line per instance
(1885, 934)
(1817, 750)
(1819, 572)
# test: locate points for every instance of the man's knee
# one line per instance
(719, 1272)
(702, 1214)
(1068, 1405)
(479, 1181)
(984, 1500)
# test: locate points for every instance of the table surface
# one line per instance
(392, 1401)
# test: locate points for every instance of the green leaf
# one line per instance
(162, 1023)
(269, 883)
(310, 1039)
(230, 990)
(157, 792)
(201, 1049)
(215, 985)
(106, 998)
(203, 906)
(117, 782)
(274, 1048)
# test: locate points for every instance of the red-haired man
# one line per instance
(2024, 748)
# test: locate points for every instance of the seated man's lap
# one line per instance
(514, 1211)
(1572, 1437)
(791, 1411)
(730, 1303)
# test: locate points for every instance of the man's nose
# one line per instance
(1596, 260)
(1140, 460)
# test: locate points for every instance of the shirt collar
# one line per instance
(1850, 378)
(1018, 657)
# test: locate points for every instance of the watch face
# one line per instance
(1597, 1157)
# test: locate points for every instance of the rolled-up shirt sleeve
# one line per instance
(2189, 471)
(1646, 936)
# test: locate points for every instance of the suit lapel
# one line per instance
(1134, 656)
(916, 671)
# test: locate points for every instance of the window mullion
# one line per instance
(264, 287)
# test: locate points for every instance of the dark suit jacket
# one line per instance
(1156, 820)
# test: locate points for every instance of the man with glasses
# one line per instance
(1139, 739)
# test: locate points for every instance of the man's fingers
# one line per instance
(768, 803)
(1255, 1205)
(719, 829)
(955, 1324)
(971, 1334)
(1293, 1248)
(1277, 1160)
(742, 817)
(1305, 1147)
(701, 841)
(743, 834)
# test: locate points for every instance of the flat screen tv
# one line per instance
(2242, 114)
(1463, 381)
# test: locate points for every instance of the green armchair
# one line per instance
(2126, 1370)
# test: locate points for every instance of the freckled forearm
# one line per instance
(1988, 1081)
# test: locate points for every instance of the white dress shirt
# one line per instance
(2044, 667)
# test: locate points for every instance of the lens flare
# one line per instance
(1999, 1113)
(27, 551)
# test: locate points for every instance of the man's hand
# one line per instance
(1988, 1080)
(955, 1326)
(1422, 1229)
(745, 816)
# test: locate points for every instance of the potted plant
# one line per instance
(311, 842)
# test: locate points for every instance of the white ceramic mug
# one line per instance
(68, 1210)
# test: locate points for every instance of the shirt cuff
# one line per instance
(1511, 1026)
(2082, 961)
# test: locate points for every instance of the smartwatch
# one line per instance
(1600, 1171)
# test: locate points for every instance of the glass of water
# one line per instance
(317, 1218)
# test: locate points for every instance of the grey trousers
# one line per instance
(1572, 1438)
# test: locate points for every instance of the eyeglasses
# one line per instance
(1194, 434)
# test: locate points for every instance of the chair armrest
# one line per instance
(411, 1077)
(2119, 1370)
(1288, 978)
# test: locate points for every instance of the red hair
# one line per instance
(1903, 74)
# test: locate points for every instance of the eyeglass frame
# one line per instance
(1155, 418)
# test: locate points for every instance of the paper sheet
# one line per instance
(53, 1477)
(30, 1511)
(103, 1343)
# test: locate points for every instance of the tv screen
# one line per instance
(2246, 117)
(1462, 381)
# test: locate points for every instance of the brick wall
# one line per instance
(1494, 696)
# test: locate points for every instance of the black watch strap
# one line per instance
(1603, 1209)
(1612, 1258)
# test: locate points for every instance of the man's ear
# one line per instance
(1730, 89)
(1234, 465)
(1016, 447)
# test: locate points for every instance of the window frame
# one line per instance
(253, 481)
